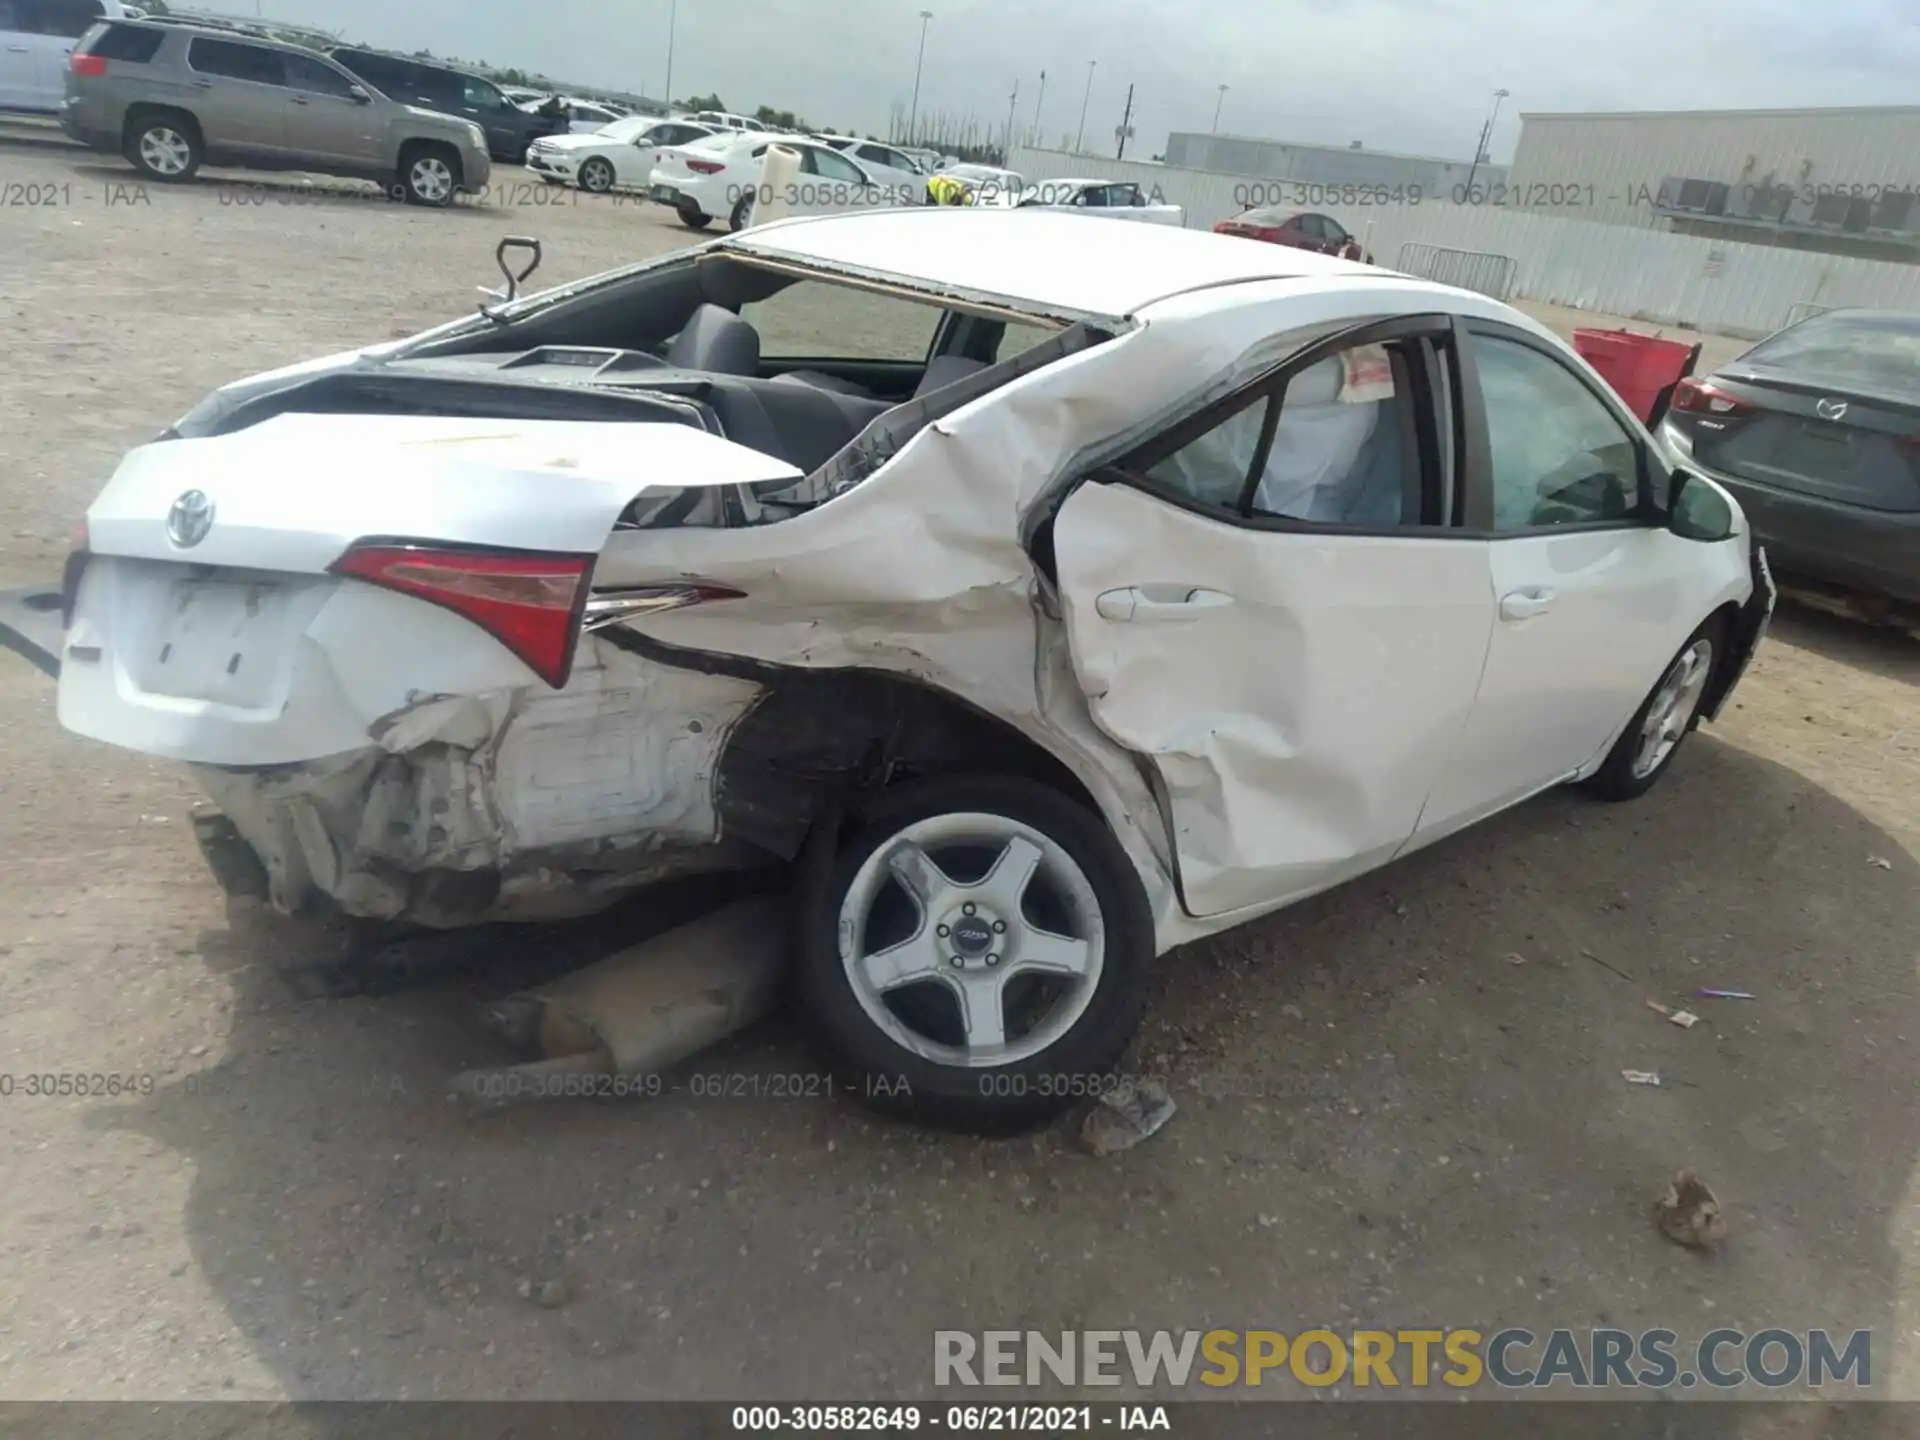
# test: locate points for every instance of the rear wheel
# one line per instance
(1646, 748)
(692, 216)
(429, 175)
(596, 176)
(164, 147)
(976, 956)
(742, 213)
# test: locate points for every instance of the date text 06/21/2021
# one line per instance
(959, 1419)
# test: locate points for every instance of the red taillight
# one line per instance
(1703, 397)
(705, 167)
(529, 603)
(94, 65)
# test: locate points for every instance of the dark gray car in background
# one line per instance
(1817, 431)
(510, 130)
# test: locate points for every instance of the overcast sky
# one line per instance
(1412, 75)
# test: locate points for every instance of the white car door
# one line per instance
(17, 42)
(38, 42)
(1265, 604)
(1594, 594)
(830, 183)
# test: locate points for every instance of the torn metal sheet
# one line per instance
(643, 1010)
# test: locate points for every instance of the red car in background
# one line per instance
(1302, 229)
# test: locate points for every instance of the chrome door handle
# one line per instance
(1145, 604)
(1525, 604)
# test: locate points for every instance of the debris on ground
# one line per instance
(1880, 862)
(640, 1011)
(1682, 1018)
(1605, 966)
(1640, 1077)
(1689, 1213)
(1724, 994)
(1514, 957)
(1127, 1114)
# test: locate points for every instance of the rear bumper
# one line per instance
(1875, 551)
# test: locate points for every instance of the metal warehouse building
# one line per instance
(1837, 180)
(1322, 164)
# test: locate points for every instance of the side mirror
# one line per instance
(1696, 510)
(359, 95)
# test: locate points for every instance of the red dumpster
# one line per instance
(1638, 367)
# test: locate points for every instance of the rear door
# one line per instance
(1267, 605)
(830, 183)
(482, 102)
(63, 22)
(325, 120)
(239, 96)
(1594, 594)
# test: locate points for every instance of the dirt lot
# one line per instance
(1385, 1117)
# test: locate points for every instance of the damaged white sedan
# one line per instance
(1042, 603)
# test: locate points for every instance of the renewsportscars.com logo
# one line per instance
(1380, 1359)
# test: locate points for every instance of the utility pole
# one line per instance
(1216, 109)
(1081, 135)
(673, 16)
(1486, 138)
(913, 113)
(1125, 130)
(1013, 100)
(1033, 131)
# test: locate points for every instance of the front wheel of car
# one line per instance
(596, 176)
(976, 955)
(692, 216)
(165, 148)
(1652, 738)
(429, 175)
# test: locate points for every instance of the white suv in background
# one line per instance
(36, 37)
(887, 164)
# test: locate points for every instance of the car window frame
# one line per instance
(1474, 493)
(332, 67)
(859, 176)
(213, 40)
(1439, 471)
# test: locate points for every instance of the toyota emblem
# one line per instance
(190, 519)
(1831, 409)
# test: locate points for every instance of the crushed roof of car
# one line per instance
(1090, 264)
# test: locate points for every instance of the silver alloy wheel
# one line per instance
(165, 151)
(596, 176)
(431, 178)
(1671, 710)
(974, 936)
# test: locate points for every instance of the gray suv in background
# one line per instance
(171, 97)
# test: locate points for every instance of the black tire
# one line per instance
(159, 133)
(742, 210)
(429, 175)
(1616, 778)
(596, 176)
(692, 216)
(998, 1099)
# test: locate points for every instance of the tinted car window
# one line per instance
(237, 62)
(482, 95)
(1879, 352)
(126, 42)
(831, 165)
(306, 73)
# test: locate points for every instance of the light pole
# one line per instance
(673, 16)
(913, 112)
(1081, 134)
(1216, 109)
(1033, 134)
(1486, 138)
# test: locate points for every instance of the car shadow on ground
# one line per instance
(1402, 1104)
(1877, 649)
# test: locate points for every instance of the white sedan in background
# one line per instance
(1113, 199)
(620, 156)
(583, 116)
(1032, 615)
(723, 176)
(885, 164)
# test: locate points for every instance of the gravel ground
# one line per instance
(1401, 1103)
